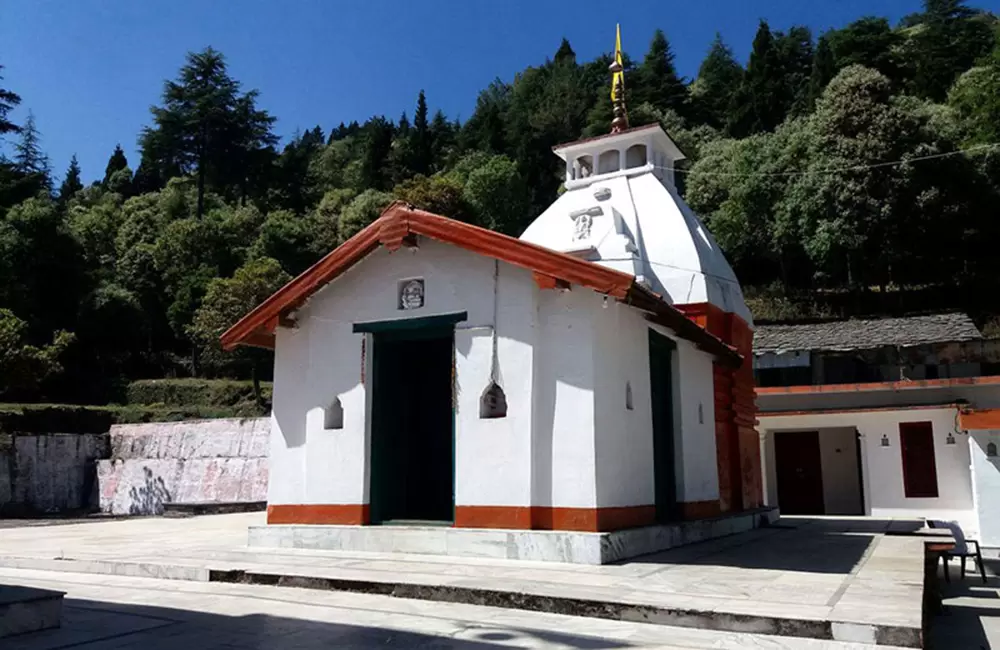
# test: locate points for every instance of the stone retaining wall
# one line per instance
(49, 473)
(188, 462)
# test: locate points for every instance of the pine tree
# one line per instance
(795, 61)
(419, 145)
(442, 140)
(757, 105)
(71, 184)
(485, 129)
(656, 80)
(28, 155)
(718, 78)
(375, 150)
(116, 162)
(8, 100)
(951, 40)
(870, 42)
(208, 127)
(824, 69)
(565, 53)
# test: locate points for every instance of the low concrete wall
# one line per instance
(49, 473)
(188, 462)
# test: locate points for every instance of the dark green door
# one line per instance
(412, 426)
(661, 350)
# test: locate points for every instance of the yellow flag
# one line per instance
(618, 76)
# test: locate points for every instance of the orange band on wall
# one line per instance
(591, 520)
(700, 509)
(330, 514)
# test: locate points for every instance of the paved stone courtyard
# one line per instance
(111, 612)
(835, 579)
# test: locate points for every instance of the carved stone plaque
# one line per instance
(411, 294)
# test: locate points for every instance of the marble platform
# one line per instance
(532, 545)
(26, 609)
(847, 579)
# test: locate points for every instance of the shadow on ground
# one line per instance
(802, 544)
(95, 625)
(970, 617)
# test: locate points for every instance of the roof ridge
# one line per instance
(400, 220)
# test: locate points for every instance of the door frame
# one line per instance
(665, 512)
(403, 329)
(815, 434)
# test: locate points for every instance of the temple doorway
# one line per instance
(412, 444)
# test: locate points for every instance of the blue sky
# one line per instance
(90, 69)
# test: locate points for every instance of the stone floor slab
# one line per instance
(111, 612)
(798, 578)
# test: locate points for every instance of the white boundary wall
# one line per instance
(196, 461)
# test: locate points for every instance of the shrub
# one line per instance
(73, 418)
(197, 392)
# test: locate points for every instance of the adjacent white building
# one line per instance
(881, 417)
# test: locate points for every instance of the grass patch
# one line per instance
(223, 393)
(74, 418)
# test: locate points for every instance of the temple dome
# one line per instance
(621, 209)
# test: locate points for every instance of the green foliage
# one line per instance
(656, 81)
(226, 301)
(193, 392)
(373, 168)
(209, 128)
(8, 101)
(498, 195)
(24, 366)
(73, 418)
(824, 69)
(29, 159)
(439, 194)
(718, 78)
(71, 183)
(950, 38)
(116, 163)
(870, 42)
(363, 210)
(791, 162)
(287, 238)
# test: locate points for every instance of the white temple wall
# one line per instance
(564, 361)
(694, 419)
(493, 456)
(322, 359)
(624, 435)
(563, 466)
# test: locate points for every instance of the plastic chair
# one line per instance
(961, 549)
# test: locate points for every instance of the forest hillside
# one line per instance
(851, 172)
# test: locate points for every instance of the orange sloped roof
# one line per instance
(400, 221)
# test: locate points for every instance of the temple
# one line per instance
(592, 376)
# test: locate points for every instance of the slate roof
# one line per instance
(865, 334)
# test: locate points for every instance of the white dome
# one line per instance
(633, 220)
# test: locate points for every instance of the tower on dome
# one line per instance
(622, 209)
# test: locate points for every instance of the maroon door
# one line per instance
(799, 472)
(916, 441)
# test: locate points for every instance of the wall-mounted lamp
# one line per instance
(991, 450)
(885, 440)
(950, 440)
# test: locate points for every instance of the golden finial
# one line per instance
(617, 69)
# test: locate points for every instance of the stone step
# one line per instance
(26, 609)
(171, 509)
(575, 600)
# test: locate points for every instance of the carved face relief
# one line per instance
(582, 228)
(411, 294)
